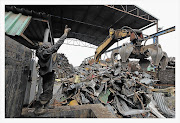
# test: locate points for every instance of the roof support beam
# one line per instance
(129, 13)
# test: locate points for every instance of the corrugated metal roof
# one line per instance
(15, 24)
(25, 29)
(89, 23)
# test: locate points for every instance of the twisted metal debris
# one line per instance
(125, 93)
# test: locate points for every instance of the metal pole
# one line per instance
(157, 31)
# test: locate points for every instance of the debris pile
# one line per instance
(127, 93)
(171, 61)
(63, 69)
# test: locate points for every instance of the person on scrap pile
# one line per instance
(44, 53)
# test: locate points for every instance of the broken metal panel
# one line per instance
(125, 110)
(103, 97)
(152, 106)
(159, 98)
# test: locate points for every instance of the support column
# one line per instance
(46, 35)
(157, 32)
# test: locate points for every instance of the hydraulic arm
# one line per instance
(114, 36)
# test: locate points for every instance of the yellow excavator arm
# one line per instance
(114, 36)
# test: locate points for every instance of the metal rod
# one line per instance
(132, 10)
(27, 39)
(80, 22)
(122, 7)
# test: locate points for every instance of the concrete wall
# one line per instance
(17, 63)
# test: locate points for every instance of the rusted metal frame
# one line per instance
(132, 10)
(40, 20)
(129, 13)
(79, 43)
(148, 26)
(142, 84)
(22, 35)
(122, 7)
(144, 15)
(139, 100)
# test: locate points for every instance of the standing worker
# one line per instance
(44, 53)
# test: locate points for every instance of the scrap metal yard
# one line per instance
(135, 79)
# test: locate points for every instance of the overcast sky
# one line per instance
(165, 11)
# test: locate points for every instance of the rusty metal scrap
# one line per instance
(124, 93)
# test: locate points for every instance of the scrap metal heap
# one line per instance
(127, 93)
(63, 68)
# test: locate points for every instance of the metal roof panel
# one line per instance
(15, 24)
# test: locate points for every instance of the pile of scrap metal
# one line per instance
(171, 61)
(63, 68)
(127, 93)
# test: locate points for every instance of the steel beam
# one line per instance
(129, 13)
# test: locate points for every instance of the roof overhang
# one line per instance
(89, 23)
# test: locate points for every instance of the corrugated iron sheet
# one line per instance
(15, 24)
(159, 98)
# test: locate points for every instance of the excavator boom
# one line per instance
(113, 37)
